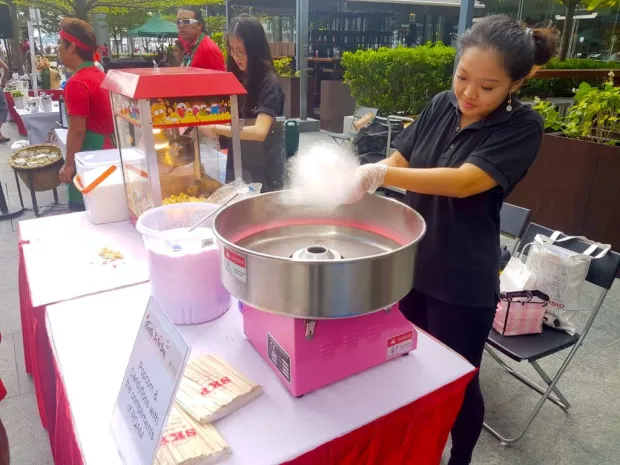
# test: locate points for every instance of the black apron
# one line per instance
(262, 162)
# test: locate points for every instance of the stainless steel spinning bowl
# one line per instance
(311, 263)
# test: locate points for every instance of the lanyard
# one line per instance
(86, 64)
(187, 59)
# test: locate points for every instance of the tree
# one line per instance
(16, 51)
(122, 20)
(216, 23)
(49, 21)
(571, 6)
(82, 8)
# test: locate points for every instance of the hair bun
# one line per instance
(545, 44)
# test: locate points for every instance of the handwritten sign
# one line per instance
(149, 387)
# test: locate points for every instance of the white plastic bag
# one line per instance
(239, 187)
(18, 145)
(515, 277)
(560, 273)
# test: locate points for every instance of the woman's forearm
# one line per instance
(75, 140)
(433, 181)
(247, 132)
(395, 160)
(448, 182)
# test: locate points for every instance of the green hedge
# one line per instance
(283, 67)
(399, 80)
(562, 87)
(218, 38)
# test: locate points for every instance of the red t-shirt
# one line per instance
(208, 56)
(84, 96)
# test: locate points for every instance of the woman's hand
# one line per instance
(209, 131)
(67, 172)
(368, 179)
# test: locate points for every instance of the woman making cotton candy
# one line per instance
(262, 140)
(461, 158)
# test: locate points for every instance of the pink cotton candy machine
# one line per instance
(319, 289)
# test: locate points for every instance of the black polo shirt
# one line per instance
(262, 162)
(458, 258)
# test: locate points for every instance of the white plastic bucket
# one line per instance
(186, 282)
(100, 179)
(47, 105)
(33, 104)
(20, 102)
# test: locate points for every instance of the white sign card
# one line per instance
(149, 387)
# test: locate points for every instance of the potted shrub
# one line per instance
(573, 182)
(399, 81)
(289, 81)
(563, 87)
(19, 99)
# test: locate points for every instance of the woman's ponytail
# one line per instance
(545, 44)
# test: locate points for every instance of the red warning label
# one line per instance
(235, 264)
(400, 344)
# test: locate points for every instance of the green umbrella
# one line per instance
(155, 27)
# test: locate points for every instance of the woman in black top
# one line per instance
(461, 158)
(262, 140)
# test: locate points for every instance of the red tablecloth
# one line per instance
(413, 435)
(3, 392)
(37, 354)
(18, 119)
(14, 115)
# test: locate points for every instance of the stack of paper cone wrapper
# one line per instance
(185, 442)
(212, 389)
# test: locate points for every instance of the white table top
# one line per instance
(25, 113)
(62, 260)
(92, 338)
(61, 134)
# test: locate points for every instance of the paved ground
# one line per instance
(588, 435)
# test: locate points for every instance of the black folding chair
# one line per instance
(532, 348)
(360, 112)
(512, 222)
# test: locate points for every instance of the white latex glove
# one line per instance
(368, 179)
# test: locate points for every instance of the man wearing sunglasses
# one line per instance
(200, 50)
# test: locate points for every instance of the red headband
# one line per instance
(75, 41)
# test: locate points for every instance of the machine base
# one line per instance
(309, 354)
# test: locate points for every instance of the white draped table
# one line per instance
(40, 123)
(92, 338)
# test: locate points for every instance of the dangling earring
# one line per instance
(509, 106)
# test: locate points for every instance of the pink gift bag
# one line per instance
(520, 312)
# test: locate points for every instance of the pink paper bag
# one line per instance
(520, 312)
